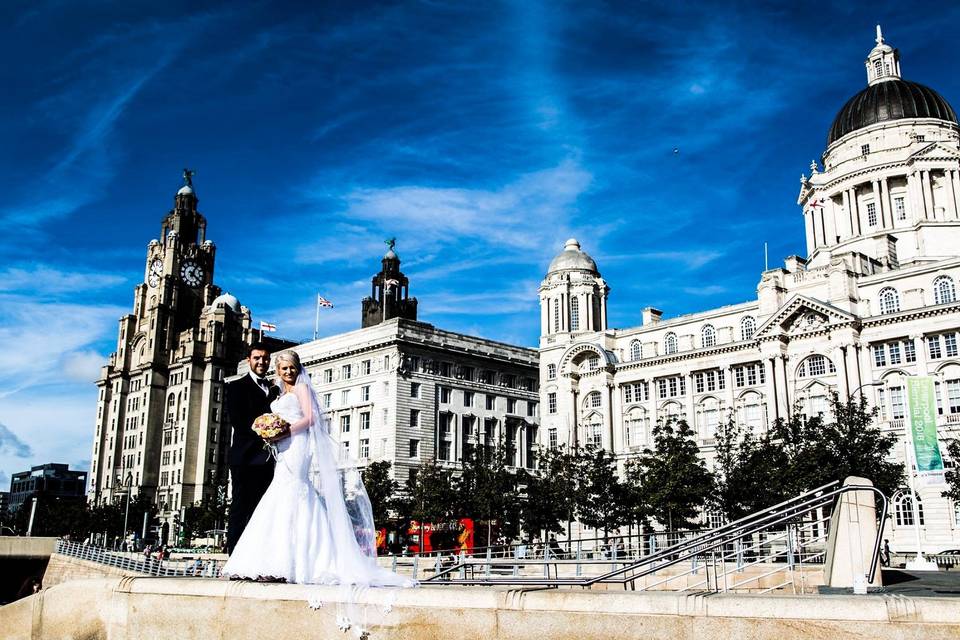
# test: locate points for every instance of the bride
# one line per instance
(314, 523)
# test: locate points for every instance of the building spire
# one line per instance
(883, 62)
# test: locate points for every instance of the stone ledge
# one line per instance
(178, 608)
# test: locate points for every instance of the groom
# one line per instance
(251, 468)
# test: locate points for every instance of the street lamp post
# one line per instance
(126, 513)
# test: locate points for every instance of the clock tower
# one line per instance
(160, 428)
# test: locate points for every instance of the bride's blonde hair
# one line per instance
(290, 356)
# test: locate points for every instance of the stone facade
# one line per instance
(874, 302)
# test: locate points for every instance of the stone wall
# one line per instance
(63, 568)
(184, 609)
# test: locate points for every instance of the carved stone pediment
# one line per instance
(801, 315)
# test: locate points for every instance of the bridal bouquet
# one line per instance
(268, 426)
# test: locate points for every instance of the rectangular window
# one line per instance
(414, 418)
(900, 208)
(466, 373)
(491, 402)
(326, 400)
(445, 450)
(365, 368)
(953, 396)
(445, 394)
(933, 346)
(345, 397)
(879, 355)
(893, 349)
(413, 363)
(865, 148)
(897, 411)
(344, 424)
(950, 344)
(364, 420)
(909, 351)
(445, 369)
(365, 394)
(511, 405)
(468, 398)
(551, 403)
(698, 382)
(551, 372)
(552, 438)
(872, 214)
(345, 372)
(414, 448)
(365, 448)
(414, 389)
(531, 409)
(328, 375)
(627, 393)
(882, 404)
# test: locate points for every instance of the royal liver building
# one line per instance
(874, 301)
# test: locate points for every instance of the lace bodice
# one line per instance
(287, 407)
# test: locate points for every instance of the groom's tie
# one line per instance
(264, 385)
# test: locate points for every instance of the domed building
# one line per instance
(872, 303)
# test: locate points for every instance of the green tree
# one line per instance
(429, 495)
(488, 490)
(952, 476)
(210, 514)
(551, 492)
(747, 472)
(601, 494)
(675, 482)
(816, 450)
(381, 489)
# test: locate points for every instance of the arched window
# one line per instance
(171, 407)
(889, 300)
(575, 314)
(708, 419)
(943, 290)
(636, 351)
(594, 400)
(635, 428)
(708, 335)
(556, 316)
(747, 326)
(814, 366)
(670, 343)
(903, 507)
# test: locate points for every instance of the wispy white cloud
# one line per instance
(45, 279)
(12, 445)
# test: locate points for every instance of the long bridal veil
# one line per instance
(335, 476)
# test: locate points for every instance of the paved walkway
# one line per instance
(924, 584)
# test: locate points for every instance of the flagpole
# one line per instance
(316, 322)
(766, 265)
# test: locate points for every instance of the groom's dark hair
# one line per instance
(258, 346)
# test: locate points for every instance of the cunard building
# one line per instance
(873, 302)
(160, 426)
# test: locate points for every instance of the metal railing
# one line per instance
(780, 538)
(139, 563)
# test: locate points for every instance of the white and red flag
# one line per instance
(323, 302)
(267, 327)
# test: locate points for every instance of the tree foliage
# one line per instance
(381, 489)
(601, 495)
(551, 491)
(953, 476)
(674, 481)
(488, 490)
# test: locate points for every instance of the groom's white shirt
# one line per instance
(263, 383)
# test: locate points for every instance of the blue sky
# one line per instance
(481, 135)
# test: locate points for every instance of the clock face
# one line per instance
(192, 273)
(156, 272)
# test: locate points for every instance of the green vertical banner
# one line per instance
(923, 425)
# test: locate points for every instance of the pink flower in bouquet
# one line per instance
(269, 425)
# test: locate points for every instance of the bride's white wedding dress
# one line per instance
(313, 524)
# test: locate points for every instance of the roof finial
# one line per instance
(188, 177)
(879, 35)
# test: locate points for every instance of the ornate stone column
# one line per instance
(915, 196)
(928, 196)
(951, 188)
(886, 211)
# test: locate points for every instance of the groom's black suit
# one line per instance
(251, 467)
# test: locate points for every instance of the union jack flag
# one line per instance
(323, 302)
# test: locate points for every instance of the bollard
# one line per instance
(463, 566)
(416, 559)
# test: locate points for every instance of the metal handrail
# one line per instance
(779, 514)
